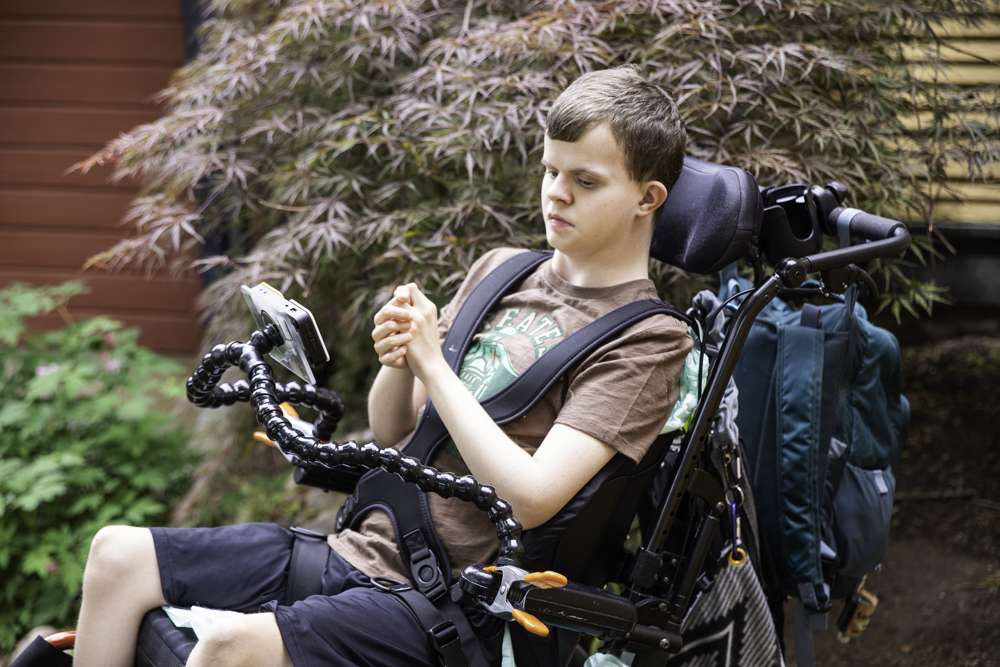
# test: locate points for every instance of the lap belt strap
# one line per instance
(448, 630)
(310, 551)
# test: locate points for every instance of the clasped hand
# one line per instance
(406, 331)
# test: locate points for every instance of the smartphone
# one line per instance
(302, 348)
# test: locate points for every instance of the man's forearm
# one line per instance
(490, 454)
(390, 405)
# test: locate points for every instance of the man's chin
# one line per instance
(555, 241)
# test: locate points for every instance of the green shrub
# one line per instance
(85, 441)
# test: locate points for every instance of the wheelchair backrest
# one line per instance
(585, 539)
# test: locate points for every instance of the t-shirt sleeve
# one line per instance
(623, 393)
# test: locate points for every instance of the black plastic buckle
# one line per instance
(445, 638)
(426, 573)
(387, 585)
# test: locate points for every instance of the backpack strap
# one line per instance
(798, 396)
(804, 624)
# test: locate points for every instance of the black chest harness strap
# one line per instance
(419, 545)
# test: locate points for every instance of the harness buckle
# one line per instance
(387, 585)
(427, 574)
(448, 644)
(444, 634)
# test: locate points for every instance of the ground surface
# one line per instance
(940, 588)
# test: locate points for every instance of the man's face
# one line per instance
(589, 201)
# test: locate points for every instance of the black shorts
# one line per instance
(245, 567)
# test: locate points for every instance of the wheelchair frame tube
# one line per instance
(719, 376)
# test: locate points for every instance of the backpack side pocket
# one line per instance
(862, 514)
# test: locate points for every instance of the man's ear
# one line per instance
(654, 193)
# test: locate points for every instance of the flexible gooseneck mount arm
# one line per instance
(264, 395)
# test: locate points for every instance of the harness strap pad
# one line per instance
(305, 570)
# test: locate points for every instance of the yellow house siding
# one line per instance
(971, 56)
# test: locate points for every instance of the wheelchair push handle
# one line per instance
(866, 225)
(885, 238)
(798, 216)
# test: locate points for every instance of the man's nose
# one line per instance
(559, 191)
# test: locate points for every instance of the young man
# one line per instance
(613, 148)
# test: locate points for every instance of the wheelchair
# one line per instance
(573, 578)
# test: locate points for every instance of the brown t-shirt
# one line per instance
(621, 395)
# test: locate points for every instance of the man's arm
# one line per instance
(391, 412)
(536, 486)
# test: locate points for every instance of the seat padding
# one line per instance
(161, 643)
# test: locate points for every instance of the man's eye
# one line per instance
(551, 172)
(584, 183)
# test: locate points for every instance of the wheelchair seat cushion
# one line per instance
(161, 643)
(709, 218)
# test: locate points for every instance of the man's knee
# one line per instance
(117, 553)
(221, 643)
(240, 639)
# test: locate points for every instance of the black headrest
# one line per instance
(709, 217)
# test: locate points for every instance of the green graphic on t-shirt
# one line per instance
(511, 340)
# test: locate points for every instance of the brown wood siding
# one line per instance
(66, 126)
(74, 75)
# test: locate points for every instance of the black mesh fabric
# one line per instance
(709, 218)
